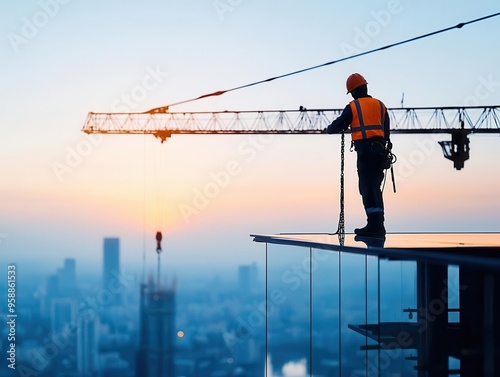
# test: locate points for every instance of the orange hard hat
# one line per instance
(353, 81)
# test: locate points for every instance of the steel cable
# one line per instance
(164, 109)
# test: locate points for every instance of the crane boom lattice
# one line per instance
(457, 121)
(475, 119)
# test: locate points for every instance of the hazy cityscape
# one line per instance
(134, 324)
(255, 139)
(72, 325)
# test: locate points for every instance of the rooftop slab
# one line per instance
(481, 250)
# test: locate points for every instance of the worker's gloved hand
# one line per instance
(389, 145)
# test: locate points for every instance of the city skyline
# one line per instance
(221, 326)
(64, 189)
(65, 192)
(88, 330)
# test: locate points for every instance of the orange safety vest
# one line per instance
(368, 116)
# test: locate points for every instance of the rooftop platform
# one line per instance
(480, 250)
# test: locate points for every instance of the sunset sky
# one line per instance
(63, 59)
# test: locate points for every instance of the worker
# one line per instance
(369, 123)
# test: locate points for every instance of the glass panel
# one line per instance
(372, 289)
(453, 294)
(325, 313)
(353, 315)
(288, 295)
(380, 317)
(397, 318)
(373, 312)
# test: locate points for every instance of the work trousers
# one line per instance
(370, 165)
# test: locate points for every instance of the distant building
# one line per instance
(155, 357)
(63, 323)
(111, 266)
(61, 292)
(87, 346)
(66, 278)
(51, 293)
(62, 284)
(62, 314)
(247, 279)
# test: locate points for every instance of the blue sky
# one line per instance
(62, 59)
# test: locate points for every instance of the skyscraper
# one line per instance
(87, 346)
(155, 357)
(62, 284)
(247, 279)
(66, 278)
(62, 314)
(111, 265)
(63, 322)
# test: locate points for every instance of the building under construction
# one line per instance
(155, 356)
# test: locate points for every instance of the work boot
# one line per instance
(374, 227)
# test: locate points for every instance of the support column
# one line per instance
(437, 320)
(432, 303)
(471, 322)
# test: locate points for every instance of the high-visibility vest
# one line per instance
(368, 117)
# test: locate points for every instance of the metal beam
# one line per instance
(475, 119)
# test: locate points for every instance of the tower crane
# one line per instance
(457, 121)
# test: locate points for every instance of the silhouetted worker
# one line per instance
(369, 123)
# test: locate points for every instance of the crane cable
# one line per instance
(164, 109)
(161, 183)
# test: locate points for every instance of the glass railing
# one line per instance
(368, 312)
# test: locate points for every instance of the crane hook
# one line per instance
(158, 242)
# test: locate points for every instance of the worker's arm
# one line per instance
(387, 130)
(341, 123)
